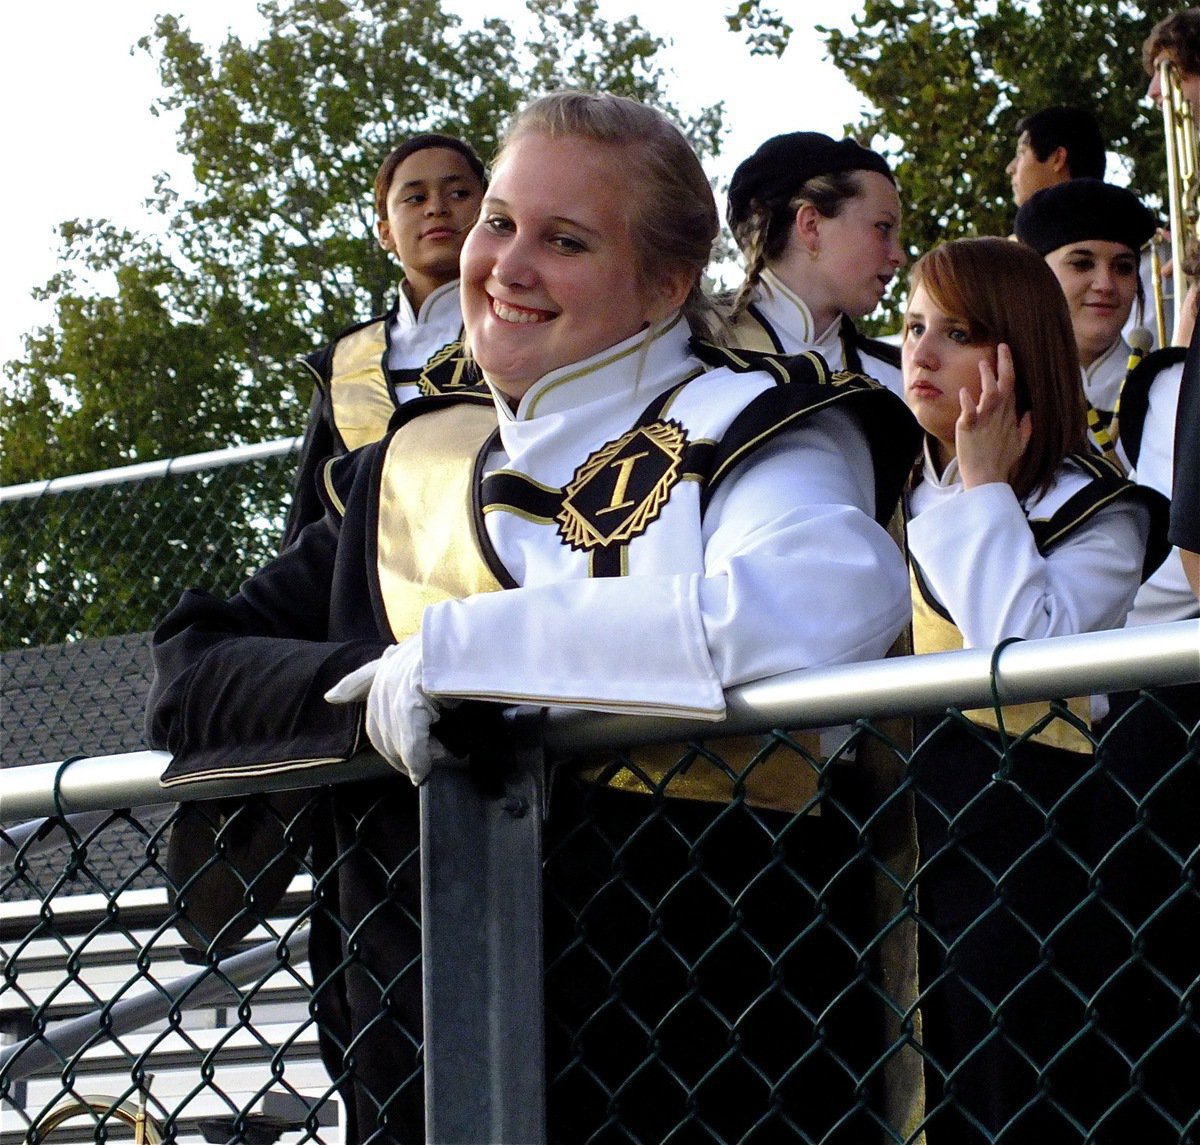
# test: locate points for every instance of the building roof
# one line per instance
(82, 698)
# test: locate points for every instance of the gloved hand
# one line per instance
(399, 713)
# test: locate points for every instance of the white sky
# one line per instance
(78, 138)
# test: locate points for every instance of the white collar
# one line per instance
(441, 306)
(949, 477)
(1116, 355)
(637, 369)
(789, 314)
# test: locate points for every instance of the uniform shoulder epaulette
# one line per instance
(1100, 467)
(892, 432)
(806, 368)
(1108, 484)
(1135, 396)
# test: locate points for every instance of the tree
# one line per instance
(166, 345)
(949, 80)
(766, 32)
(276, 252)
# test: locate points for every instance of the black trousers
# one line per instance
(366, 958)
(1033, 980)
(707, 971)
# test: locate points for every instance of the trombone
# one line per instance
(1183, 196)
(146, 1131)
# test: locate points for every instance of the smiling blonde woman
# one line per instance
(635, 522)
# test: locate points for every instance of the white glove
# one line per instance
(399, 713)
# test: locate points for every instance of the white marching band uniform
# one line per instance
(787, 321)
(712, 599)
(1149, 421)
(980, 559)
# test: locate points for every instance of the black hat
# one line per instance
(785, 162)
(1083, 209)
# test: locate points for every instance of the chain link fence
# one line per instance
(729, 968)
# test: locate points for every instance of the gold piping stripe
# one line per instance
(776, 427)
(1091, 510)
(326, 473)
(497, 507)
(312, 370)
(602, 364)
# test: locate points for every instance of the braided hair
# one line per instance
(762, 233)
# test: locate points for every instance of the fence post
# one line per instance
(481, 926)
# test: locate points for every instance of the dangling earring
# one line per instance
(814, 253)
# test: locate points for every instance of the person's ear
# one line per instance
(383, 232)
(671, 292)
(807, 228)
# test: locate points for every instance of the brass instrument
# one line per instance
(1183, 193)
(146, 1130)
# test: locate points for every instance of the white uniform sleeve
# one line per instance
(1166, 596)
(978, 554)
(796, 573)
(1156, 460)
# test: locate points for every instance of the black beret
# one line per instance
(1083, 209)
(779, 167)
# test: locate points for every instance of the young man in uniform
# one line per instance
(1054, 145)
(1177, 38)
(229, 861)
(427, 195)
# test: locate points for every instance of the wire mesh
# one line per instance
(716, 969)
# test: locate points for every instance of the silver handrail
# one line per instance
(1153, 656)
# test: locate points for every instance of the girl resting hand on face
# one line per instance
(1015, 529)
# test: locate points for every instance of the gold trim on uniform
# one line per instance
(767, 776)
(331, 492)
(622, 487)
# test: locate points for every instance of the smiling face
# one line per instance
(550, 274)
(1099, 280)
(939, 359)
(858, 251)
(431, 203)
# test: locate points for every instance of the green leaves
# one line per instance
(166, 345)
(949, 81)
(766, 32)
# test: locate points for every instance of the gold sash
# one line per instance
(932, 632)
(428, 549)
(359, 394)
